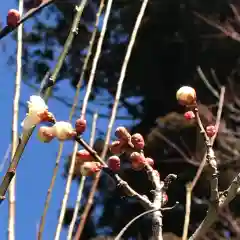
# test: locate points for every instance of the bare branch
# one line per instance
(12, 186)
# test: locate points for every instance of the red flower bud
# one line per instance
(84, 156)
(138, 141)
(80, 125)
(13, 17)
(122, 134)
(189, 115)
(114, 163)
(138, 161)
(164, 198)
(211, 130)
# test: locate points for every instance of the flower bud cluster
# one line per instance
(133, 145)
(187, 96)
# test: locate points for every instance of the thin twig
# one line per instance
(12, 186)
(188, 211)
(6, 157)
(209, 155)
(49, 192)
(120, 234)
(73, 109)
(81, 185)
(113, 115)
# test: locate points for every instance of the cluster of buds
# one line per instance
(186, 96)
(85, 163)
(126, 141)
(133, 145)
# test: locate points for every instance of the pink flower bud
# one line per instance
(186, 96)
(150, 161)
(122, 134)
(189, 115)
(116, 147)
(164, 198)
(13, 18)
(138, 141)
(80, 126)
(90, 168)
(211, 130)
(138, 161)
(114, 163)
(84, 156)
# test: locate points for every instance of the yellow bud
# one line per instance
(186, 96)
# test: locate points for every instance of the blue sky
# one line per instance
(35, 169)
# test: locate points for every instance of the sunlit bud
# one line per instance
(37, 113)
(186, 96)
(63, 131)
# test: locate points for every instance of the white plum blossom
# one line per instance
(36, 108)
(63, 130)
